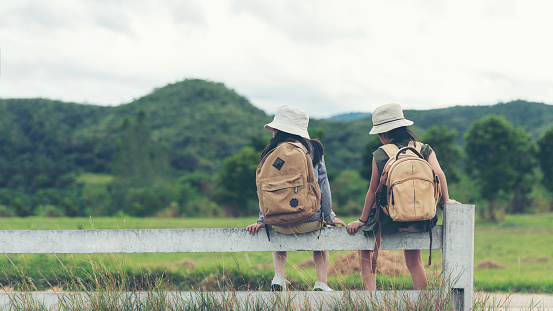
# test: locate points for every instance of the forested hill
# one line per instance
(199, 123)
(535, 118)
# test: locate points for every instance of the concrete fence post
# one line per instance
(458, 253)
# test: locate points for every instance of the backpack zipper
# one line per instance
(410, 178)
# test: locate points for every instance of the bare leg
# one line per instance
(369, 279)
(321, 264)
(279, 261)
(413, 260)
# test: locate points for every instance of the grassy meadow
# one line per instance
(515, 255)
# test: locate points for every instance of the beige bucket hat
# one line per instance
(387, 118)
(291, 120)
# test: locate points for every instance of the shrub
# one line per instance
(49, 211)
(6, 211)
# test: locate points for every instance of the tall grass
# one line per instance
(108, 285)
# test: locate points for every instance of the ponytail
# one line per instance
(318, 151)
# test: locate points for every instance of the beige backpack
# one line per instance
(409, 185)
(408, 190)
(286, 187)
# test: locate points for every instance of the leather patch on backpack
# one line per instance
(278, 163)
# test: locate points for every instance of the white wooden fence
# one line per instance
(455, 237)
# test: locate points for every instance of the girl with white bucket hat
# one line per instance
(391, 126)
(290, 123)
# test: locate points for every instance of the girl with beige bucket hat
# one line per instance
(391, 126)
(290, 123)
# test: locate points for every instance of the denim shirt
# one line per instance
(326, 199)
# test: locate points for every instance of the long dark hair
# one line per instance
(402, 134)
(313, 146)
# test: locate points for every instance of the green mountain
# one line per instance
(202, 123)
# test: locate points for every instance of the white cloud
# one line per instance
(327, 57)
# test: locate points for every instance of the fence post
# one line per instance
(458, 253)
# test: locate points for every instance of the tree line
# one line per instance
(501, 168)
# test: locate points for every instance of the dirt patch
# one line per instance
(187, 264)
(489, 264)
(346, 264)
(391, 263)
(534, 260)
(388, 263)
(308, 263)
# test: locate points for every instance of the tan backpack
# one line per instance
(408, 190)
(286, 187)
(409, 184)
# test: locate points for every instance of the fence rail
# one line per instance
(455, 237)
(199, 240)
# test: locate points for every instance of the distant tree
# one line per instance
(545, 158)
(494, 155)
(236, 189)
(123, 159)
(259, 143)
(448, 153)
(159, 157)
(370, 147)
(140, 146)
(525, 171)
(348, 193)
(138, 160)
(235, 183)
(140, 167)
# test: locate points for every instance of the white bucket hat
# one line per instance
(291, 120)
(387, 118)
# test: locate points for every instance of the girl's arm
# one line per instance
(254, 228)
(433, 161)
(369, 201)
(326, 197)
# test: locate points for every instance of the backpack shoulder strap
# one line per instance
(260, 164)
(298, 145)
(310, 168)
(416, 145)
(390, 149)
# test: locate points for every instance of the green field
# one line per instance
(521, 247)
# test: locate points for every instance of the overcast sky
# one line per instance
(327, 57)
